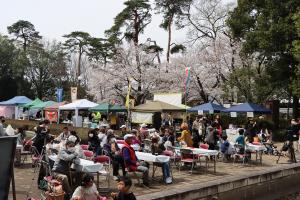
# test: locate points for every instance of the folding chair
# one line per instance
(84, 147)
(187, 156)
(88, 154)
(175, 157)
(36, 157)
(106, 161)
(238, 154)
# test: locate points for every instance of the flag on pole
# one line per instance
(127, 103)
(187, 79)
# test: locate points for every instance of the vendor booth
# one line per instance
(51, 112)
(14, 103)
(82, 104)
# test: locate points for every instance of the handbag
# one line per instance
(285, 147)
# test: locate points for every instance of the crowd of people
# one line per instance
(105, 141)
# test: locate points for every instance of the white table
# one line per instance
(148, 157)
(134, 146)
(87, 166)
(258, 149)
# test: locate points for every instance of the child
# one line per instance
(87, 190)
(124, 190)
(225, 147)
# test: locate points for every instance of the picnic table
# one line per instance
(148, 157)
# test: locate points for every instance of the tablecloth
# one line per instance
(253, 147)
(87, 166)
(135, 147)
(148, 157)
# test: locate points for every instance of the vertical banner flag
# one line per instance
(59, 94)
(73, 94)
(127, 103)
(187, 80)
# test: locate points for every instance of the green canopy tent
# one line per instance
(42, 105)
(106, 108)
(32, 103)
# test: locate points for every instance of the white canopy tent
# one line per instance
(82, 104)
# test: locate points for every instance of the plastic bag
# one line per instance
(9, 130)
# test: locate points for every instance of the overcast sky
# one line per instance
(54, 18)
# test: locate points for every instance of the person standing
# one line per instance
(2, 131)
(186, 136)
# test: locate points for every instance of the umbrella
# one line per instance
(207, 107)
(249, 107)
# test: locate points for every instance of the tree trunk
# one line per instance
(79, 66)
(169, 40)
(136, 45)
(295, 107)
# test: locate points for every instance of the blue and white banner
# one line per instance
(59, 95)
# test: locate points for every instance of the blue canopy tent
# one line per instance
(207, 107)
(249, 107)
(16, 101)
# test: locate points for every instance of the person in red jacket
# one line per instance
(131, 161)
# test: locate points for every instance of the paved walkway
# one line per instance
(26, 179)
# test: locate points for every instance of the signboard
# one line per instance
(6, 165)
(200, 112)
(211, 112)
(233, 114)
(73, 94)
(51, 116)
(250, 114)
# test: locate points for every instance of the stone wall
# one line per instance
(267, 184)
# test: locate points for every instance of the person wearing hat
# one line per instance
(131, 161)
(65, 157)
(123, 130)
(144, 133)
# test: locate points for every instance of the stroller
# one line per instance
(271, 149)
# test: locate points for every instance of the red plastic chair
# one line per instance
(187, 156)
(105, 160)
(88, 154)
(204, 146)
(84, 147)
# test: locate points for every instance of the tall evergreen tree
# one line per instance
(267, 30)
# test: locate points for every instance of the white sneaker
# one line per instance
(115, 178)
(169, 180)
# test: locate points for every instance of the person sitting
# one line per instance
(123, 130)
(21, 136)
(135, 140)
(102, 137)
(112, 150)
(78, 148)
(225, 148)
(124, 186)
(240, 140)
(87, 190)
(65, 157)
(168, 139)
(158, 149)
(94, 142)
(63, 136)
(131, 161)
(186, 136)
(144, 133)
